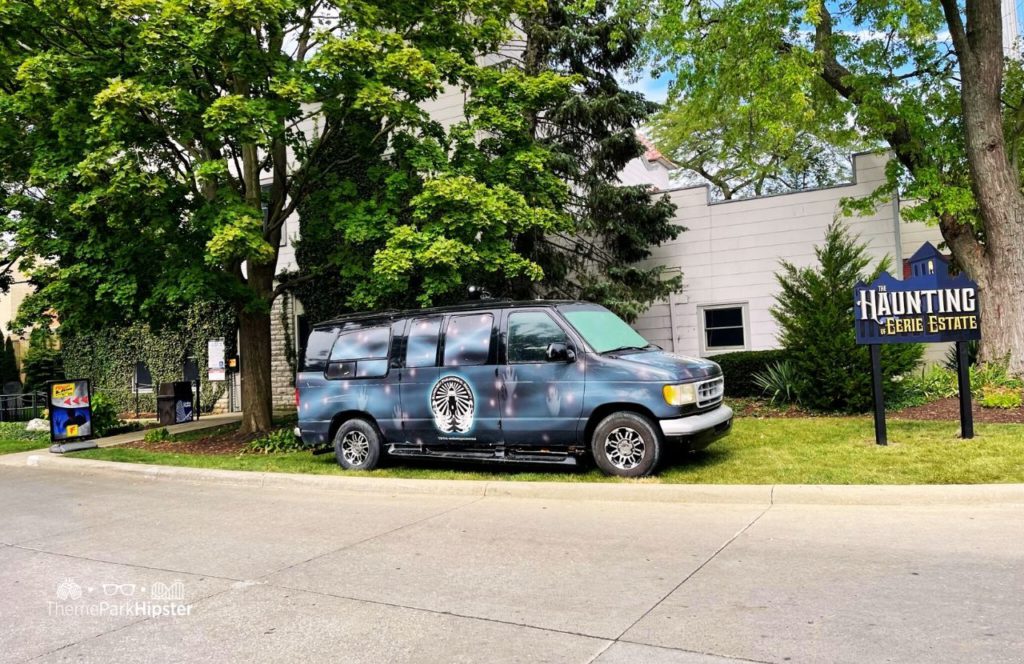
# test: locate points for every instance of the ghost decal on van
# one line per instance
(452, 403)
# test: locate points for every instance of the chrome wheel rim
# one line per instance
(355, 447)
(624, 448)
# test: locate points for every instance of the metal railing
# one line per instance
(22, 407)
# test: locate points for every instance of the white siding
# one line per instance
(731, 252)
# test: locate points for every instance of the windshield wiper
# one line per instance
(612, 350)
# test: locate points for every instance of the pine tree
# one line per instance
(815, 315)
(8, 362)
(592, 136)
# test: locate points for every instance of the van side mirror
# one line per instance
(560, 352)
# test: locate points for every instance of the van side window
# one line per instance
(467, 341)
(318, 349)
(361, 354)
(529, 335)
(421, 347)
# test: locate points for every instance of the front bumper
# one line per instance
(698, 431)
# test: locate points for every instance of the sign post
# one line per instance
(929, 307)
(879, 395)
(963, 384)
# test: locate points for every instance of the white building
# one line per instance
(731, 251)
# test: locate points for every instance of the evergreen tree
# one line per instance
(8, 363)
(815, 316)
(591, 135)
(42, 360)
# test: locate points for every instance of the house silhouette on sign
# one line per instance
(927, 261)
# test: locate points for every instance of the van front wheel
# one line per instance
(357, 445)
(626, 445)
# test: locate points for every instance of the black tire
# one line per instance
(357, 445)
(626, 444)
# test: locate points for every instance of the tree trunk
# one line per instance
(254, 349)
(1001, 286)
(999, 266)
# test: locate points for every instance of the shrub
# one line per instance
(993, 374)
(778, 382)
(157, 435)
(815, 314)
(939, 382)
(972, 355)
(277, 441)
(104, 415)
(740, 367)
(1001, 397)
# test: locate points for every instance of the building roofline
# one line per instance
(839, 185)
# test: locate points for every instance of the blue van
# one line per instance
(534, 381)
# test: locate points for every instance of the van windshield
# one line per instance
(603, 330)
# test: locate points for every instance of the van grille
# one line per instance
(710, 392)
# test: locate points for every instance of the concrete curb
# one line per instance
(640, 491)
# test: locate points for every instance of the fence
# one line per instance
(22, 407)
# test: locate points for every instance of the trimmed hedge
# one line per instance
(739, 369)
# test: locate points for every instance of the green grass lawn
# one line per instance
(823, 450)
(14, 438)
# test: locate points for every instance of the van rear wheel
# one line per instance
(357, 445)
(626, 444)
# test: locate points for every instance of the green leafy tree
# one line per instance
(154, 149)
(520, 196)
(814, 311)
(926, 80)
(441, 210)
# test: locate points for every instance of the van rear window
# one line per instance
(318, 348)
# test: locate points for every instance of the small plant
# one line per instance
(1001, 397)
(104, 415)
(157, 435)
(778, 382)
(972, 355)
(276, 442)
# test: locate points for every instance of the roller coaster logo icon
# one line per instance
(452, 404)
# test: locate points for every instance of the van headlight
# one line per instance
(680, 395)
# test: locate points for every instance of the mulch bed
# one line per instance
(225, 444)
(943, 409)
(949, 409)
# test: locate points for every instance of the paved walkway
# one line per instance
(205, 422)
(303, 574)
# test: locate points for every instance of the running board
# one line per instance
(498, 456)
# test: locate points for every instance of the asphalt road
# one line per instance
(107, 568)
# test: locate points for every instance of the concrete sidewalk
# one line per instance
(300, 574)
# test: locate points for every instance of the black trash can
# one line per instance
(174, 402)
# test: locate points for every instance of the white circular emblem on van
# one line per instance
(452, 403)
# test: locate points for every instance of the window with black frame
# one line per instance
(724, 328)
